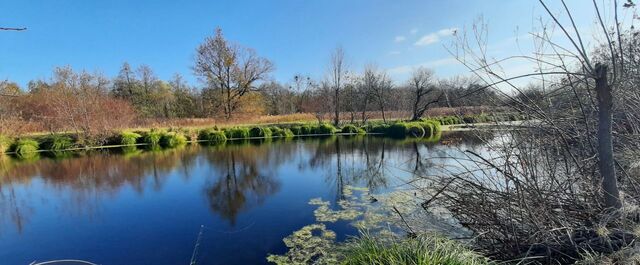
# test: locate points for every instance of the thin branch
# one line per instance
(13, 29)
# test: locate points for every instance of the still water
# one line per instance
(149, 207)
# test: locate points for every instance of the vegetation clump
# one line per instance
(323, 128)
(423, 249)
(415, 130)
(211, 136)
(378, 128)
(262, 132)
(172, 139)
(352, 129)
(282, 133)
(128, 138)
(397, 130)
(431, 127)
(237, 133)
(296, 130)
(25, 148)
(449, 120)
(310, 245)
(57, 142)
(480, 118)
(152, 137)
(306, 129)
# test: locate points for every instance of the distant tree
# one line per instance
(185, 103)
(231, 71)
(75, 101)
(337, 74)
(379, 86)
(278, 99)
(421, 87)
(125, 83)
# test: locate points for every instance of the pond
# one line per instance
(241, 198)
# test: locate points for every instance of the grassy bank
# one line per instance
(58, 144)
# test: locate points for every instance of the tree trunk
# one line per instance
(336, 118)
(415, 106)
(605, 139)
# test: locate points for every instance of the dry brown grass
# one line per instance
(16, 127)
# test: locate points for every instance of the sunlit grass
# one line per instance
(128, 138)
(213, 137)
(172, 139)
(25, 148)
(424, 249)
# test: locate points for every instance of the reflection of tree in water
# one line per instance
(350, 160)
(13, 209)
(82, 181)
(244, 176)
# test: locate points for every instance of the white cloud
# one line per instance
(427, 39)
(435, 36)
(399, 38)
(447, 32)
(414, 31)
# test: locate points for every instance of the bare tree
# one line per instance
(379, 86)
(229, 69)
(337, 73)
(421, 86)
(549, 188)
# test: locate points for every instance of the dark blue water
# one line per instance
(148, 207)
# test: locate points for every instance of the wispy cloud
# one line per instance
(435, 36)
(447, 32)
(400, 38)
(413, 31)
(428, 39)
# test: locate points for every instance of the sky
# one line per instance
(296, 35)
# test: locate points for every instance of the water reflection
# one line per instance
(229, 181)
(243, 176)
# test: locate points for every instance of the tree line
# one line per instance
(234, 82)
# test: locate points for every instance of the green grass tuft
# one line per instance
(237, 133)
(377, 128)
(172, 139)
(397, 130)
(415, 130)
(57, 142)
(152, 137)
(431, 127)
(349, 128)
(307, 129)
(421, 250)
(323, 128)
(128, 138)
(25, 148)
(282, 133)
(260, 132)
(296, 130)
(212, 137)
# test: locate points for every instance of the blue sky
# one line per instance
(296, 35)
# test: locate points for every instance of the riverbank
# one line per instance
(58, 144)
